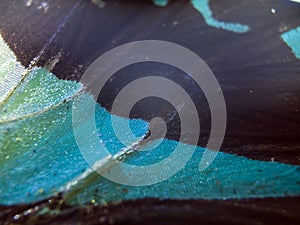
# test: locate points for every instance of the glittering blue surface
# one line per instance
(292, 39)
(39, 154)
(41, 170)
(229, 176)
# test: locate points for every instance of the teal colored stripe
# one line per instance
(160, 2)
(229, 177)
(202, 6)
(292, 39)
